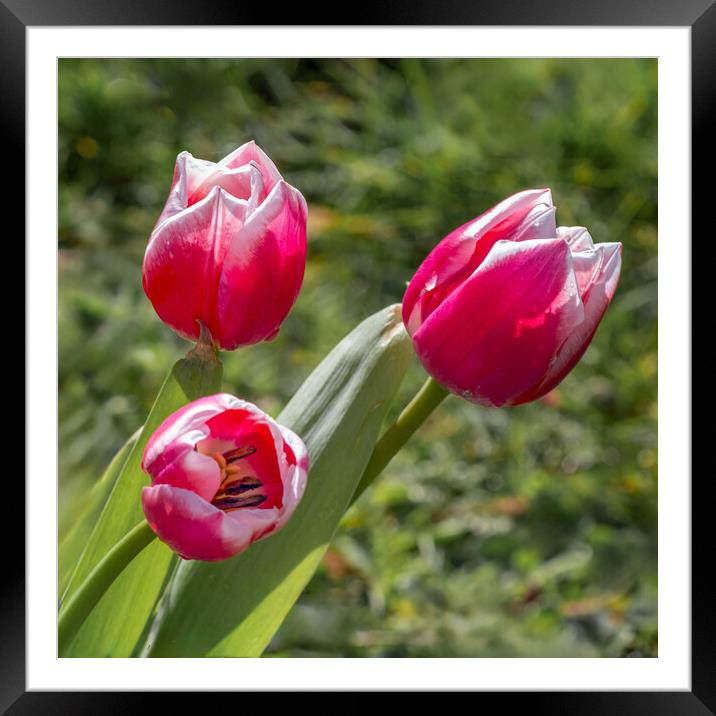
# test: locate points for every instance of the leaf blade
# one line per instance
(118, 621)
(73, 544)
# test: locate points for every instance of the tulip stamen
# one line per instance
(239, 487)
(236, 492)
(239, 453)
(221, 460)
(228, 504)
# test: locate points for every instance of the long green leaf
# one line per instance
(117, 622)
(74, 542)
(233, 608)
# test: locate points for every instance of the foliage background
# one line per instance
(513, 532)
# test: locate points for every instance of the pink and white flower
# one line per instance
(228, 250)
(505, 305)
(224, 474)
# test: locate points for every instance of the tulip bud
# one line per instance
(224, 474)
(504, 306)
(229, 249)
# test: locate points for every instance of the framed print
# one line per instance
(370, 358)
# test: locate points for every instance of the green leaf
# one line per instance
(73, 543)
(233, 608)
(117, 622)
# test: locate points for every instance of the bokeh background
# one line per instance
(512, 532)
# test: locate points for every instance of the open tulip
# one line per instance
(229, 249)
(504, 306)
(224, 474)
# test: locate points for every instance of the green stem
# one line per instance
(413, 416)
(74, 612)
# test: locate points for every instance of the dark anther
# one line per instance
(238, 487)
(238, 453)
(234, 503)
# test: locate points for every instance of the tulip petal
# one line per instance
(182, 263)
(189, 173)
(297, 460)
(297, 453)
(183, 428)
(577, 238)
(263, 269)
(192, 471)
(538, 224)
(591, 265)
(242, 527)
(497, 333)
(192, 526)
(251, 152)
(510, 212)
(235, 182)
(523, 216)
(597, 293)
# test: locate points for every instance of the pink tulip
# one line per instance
(224, 474)
(504, 306)
(229, 249)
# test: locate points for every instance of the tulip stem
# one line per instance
(78, 607)
(413, 416)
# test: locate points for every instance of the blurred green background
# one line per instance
(513, 532)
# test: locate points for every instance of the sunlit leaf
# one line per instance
(117, 622)
(73, 543)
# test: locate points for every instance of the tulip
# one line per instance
(504, 306)
(229, 249)
(224, 474)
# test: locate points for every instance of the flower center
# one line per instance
(237, 489)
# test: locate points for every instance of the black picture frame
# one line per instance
(699, 15)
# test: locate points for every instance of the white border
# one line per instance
(671, 670)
